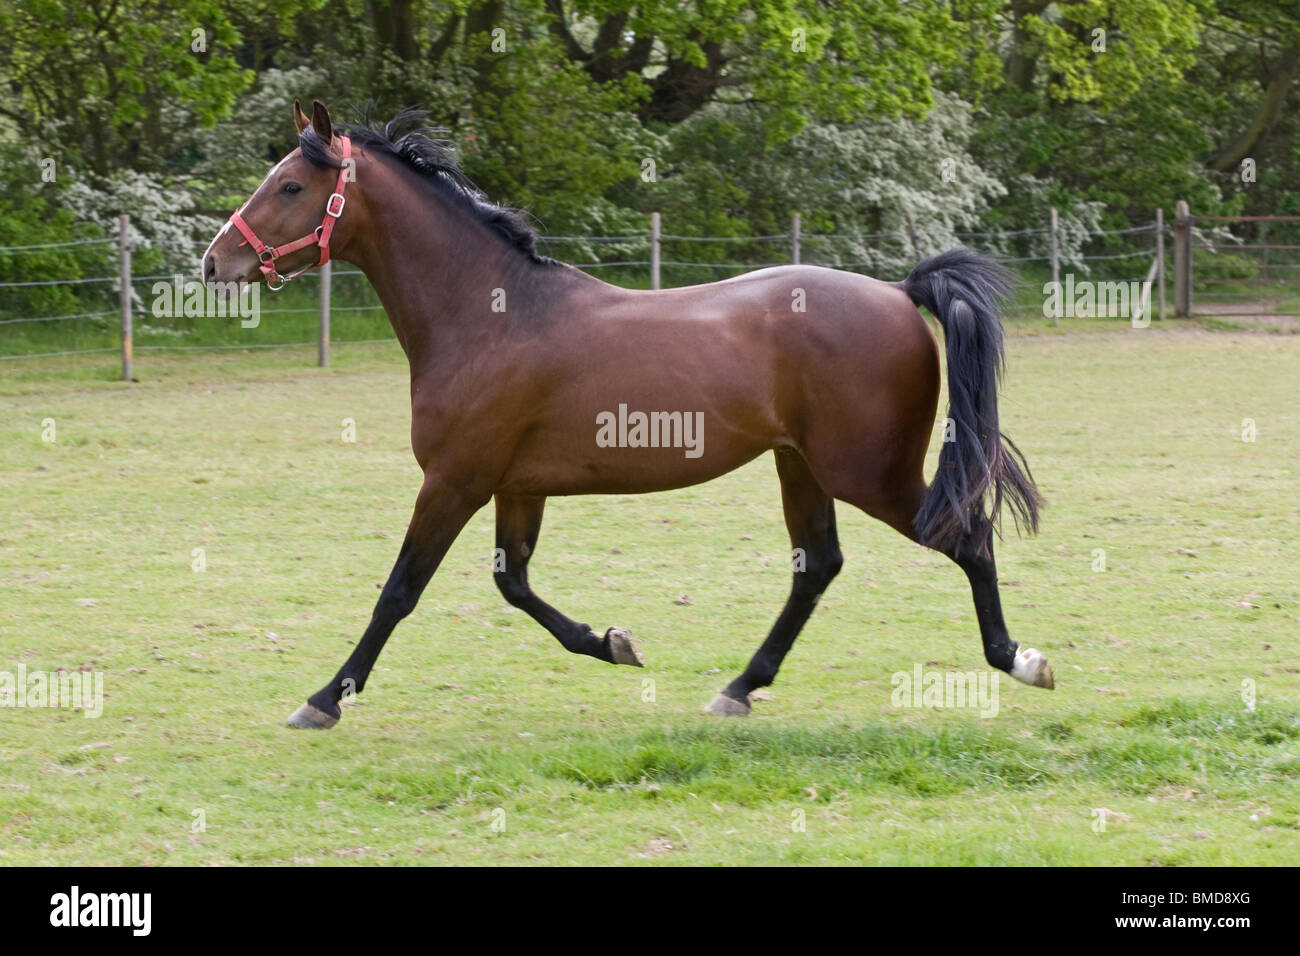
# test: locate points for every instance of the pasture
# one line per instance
(479, 740)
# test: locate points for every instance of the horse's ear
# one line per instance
(300, 119)
(320, 119)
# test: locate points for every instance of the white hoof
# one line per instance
(1031, 667)
(308, 717)
(725, 706)
(623, 647)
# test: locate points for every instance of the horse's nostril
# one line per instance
(209, 269)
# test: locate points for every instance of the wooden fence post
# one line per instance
(911, 232)
(323, 352)
(795, 233)
(1160, 258)
(124, 254)
(654, 250)
(1056, 268)
(1182, 261)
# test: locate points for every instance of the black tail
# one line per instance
(977, 462)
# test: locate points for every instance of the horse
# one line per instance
(531, 378)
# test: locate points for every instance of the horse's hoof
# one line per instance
(725, 706)
(623, 647)
(1031, 667)
(308, 717)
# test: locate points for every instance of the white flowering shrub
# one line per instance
(892, 191)
(165, 235)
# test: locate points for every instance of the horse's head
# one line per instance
(285, 227)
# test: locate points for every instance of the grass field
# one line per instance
(480, 741)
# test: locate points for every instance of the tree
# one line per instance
(1260, 60)
(109, 85)
(801, 59)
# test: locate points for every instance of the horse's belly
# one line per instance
(623, 456)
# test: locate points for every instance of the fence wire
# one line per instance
(1238, 264)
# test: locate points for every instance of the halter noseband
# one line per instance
(319, 236)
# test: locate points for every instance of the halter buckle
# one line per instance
(333, 209)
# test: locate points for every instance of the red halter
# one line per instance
(319, 236)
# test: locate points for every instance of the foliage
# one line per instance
(889, 176)
(726, 116)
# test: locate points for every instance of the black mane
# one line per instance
(425, 150)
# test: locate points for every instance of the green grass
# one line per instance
(1135, 438)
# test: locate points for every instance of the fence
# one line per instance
(657, 252)
(652, 257)
(114, 304)
(1246, 271)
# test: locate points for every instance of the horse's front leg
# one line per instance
(441, 511)
(519, 521)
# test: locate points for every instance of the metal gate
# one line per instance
(1244, 270)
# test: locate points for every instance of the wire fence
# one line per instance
(1246, 268)
(67, 298)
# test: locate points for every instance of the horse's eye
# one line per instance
(291, 188)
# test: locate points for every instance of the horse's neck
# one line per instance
(441, 275)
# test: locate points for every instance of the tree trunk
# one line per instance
(481, 18)
(1279, 81)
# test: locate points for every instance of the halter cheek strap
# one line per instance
(320, 236)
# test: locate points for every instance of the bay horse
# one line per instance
(530, 378)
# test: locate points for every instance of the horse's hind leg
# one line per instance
(519, 521)
(974, 555)
(810, 519)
